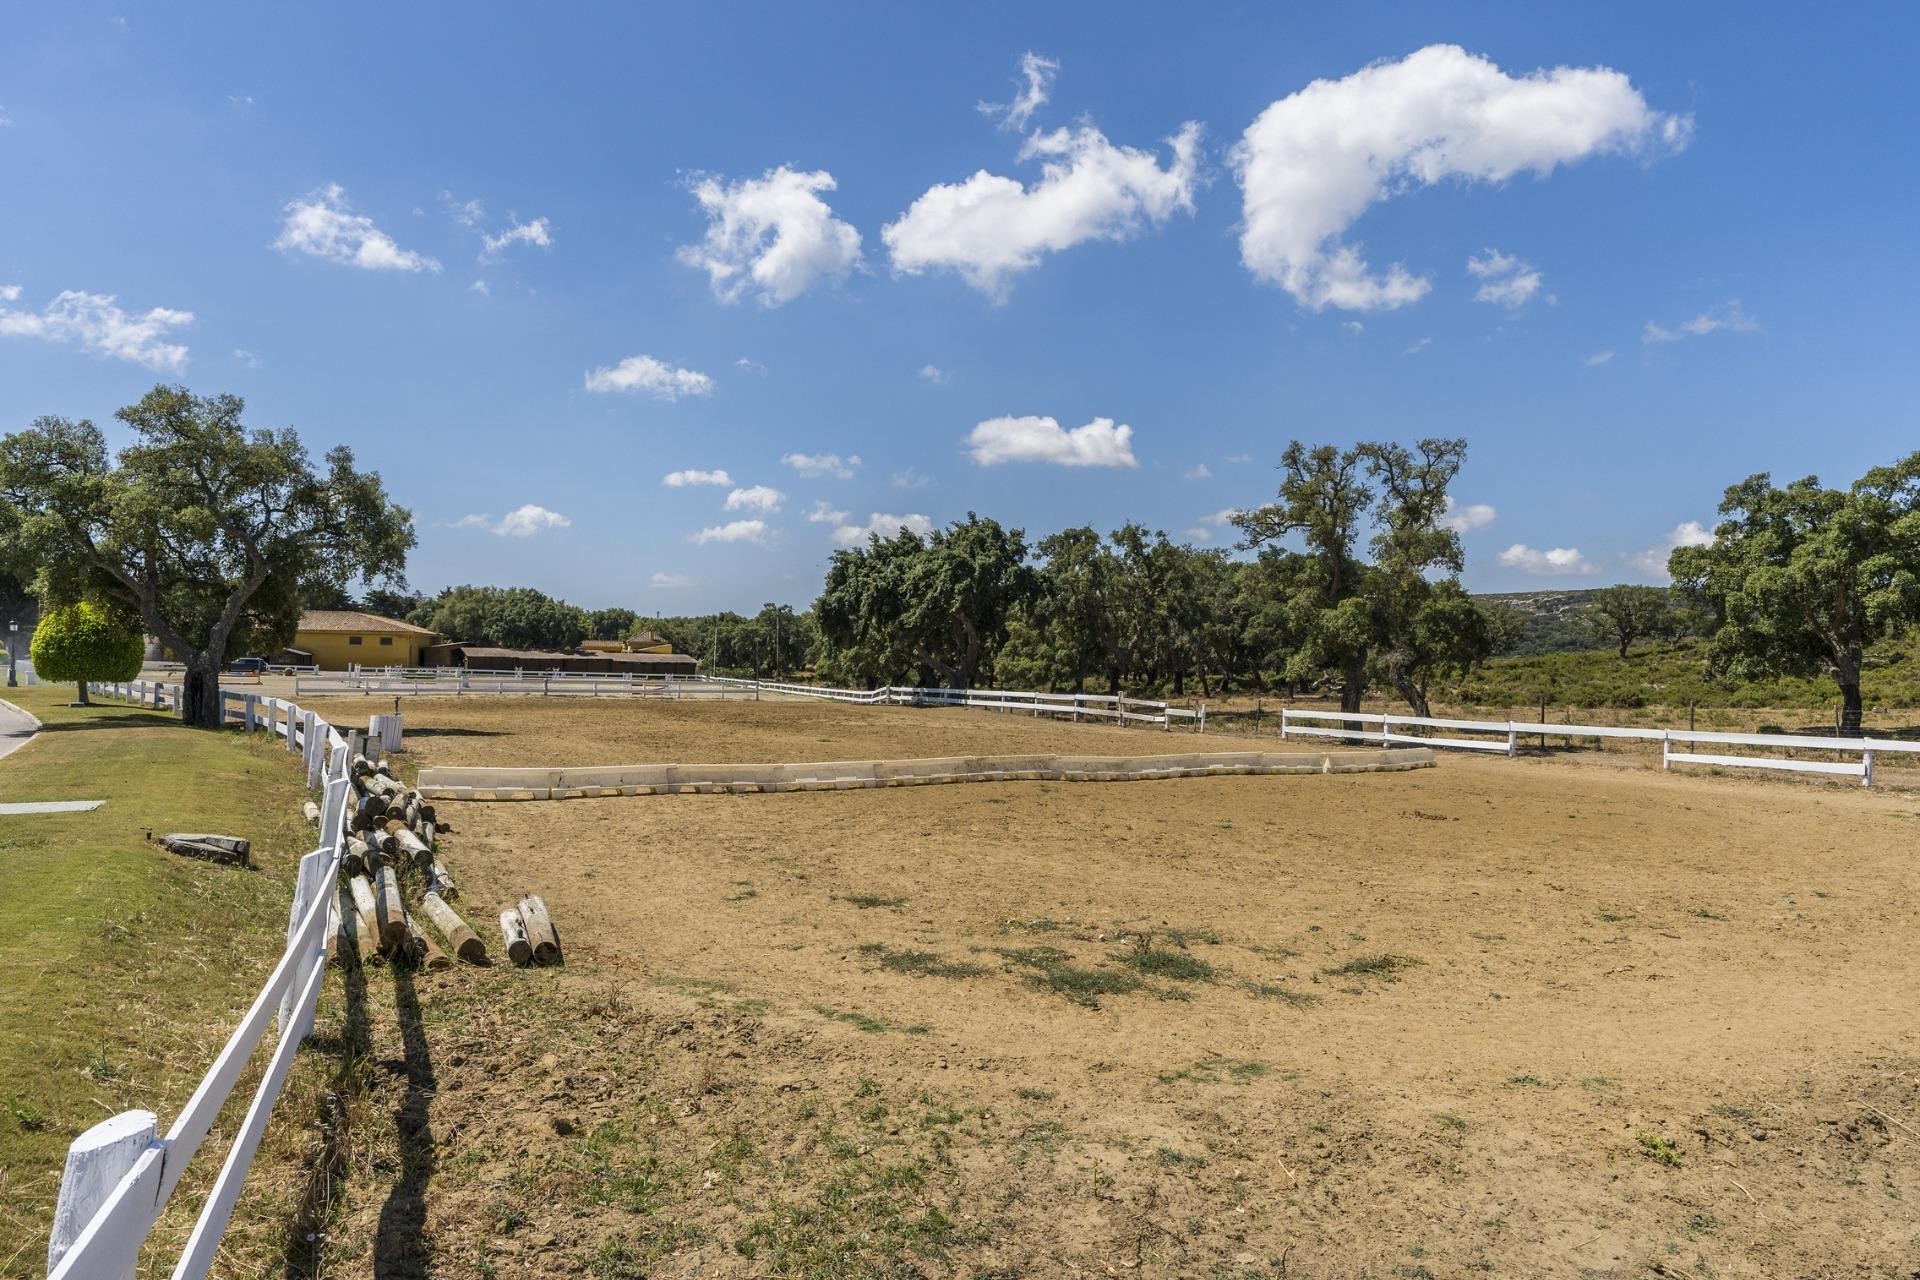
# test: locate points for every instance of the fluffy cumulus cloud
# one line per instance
(664, 581)
(1475, 515)
(771, 236)
(990, 228)
(1036, 79)
(759, 497)
(1037, 439)
(1504, 279)
(95, 323)
(657, 378)
(1729, 317)
(1554, 562)
(522, 522)
(685, 479)
(733, 531)
(886, 526)
(824, 513)
(535, 232)
(823, 464)
(1312, 163)
(324, 225)
(1688, 533)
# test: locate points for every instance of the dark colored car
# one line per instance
(248, 666)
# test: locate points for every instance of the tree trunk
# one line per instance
(1351, 689)
(84, 700)
(1624, 642)
(200, 704)
(1847, 676)
(1179, 684)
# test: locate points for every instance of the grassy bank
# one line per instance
(123, 967)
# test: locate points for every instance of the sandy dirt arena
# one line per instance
(1501, 1016)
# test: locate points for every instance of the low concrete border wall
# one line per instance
(849, 775)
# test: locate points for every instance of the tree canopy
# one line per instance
(1620, 615)
(212, 533)
(506, 617)
(1800, 579)
(84, 641)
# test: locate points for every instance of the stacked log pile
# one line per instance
(392, 859)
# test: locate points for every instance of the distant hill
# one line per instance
(1552, 618)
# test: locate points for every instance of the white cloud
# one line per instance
(1597, 358)
(1037, 439)
(823, 464)
(990, 228)
(734, 531)
(911, 478)
(325, 226)
(1418, 347)
(1199, 533)
(824, 513)
(480, 287)
(241, 102)
(887, 526)
(1038, 74)
(1199, 473)
(522, 522)
(535, 233)
(658, 379)
(772, 236)
(1353, 326)
(246, 357)
(1554, 562)
(681, 479)
(664, 581)
(11, 293)
(1730, 317)
(1477, 515)
(1316, 160)
(1507, 280)
(759, 497)
(93, 323)
(1688, 533)
(1224, 515)
(750, 366)
(935, 374)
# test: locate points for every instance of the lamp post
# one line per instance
(13, 629)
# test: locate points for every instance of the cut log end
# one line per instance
(519, 950)
(540, 931)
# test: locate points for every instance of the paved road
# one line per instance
(16, 728)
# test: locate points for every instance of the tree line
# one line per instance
(213, 536)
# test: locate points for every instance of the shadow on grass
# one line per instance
(117, 720)
(306, 1239)
(448, 731)
(400, 1249)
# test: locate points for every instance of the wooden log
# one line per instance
(231, 850)
(519, 950)
(459, 935)
(354, 860)
(412, 814)
(359, 766)
(440, 880)
(338, 947)
(382, 839)
(426, 952)
(426, 811)
(312, 811)
(384, 768)
(428, 831)
(411, 847)
(540, 930)
(359, 926)
(369, 812)
(389, 911)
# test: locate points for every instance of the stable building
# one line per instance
(341, 638)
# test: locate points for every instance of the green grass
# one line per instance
(1052, 969)
(1165, 962)
(920, 963)
(123, 967)
(1674, 675)
(1380, 966)
(869, 902)
(1658, 1149)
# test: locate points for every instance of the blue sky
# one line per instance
(1721, 199)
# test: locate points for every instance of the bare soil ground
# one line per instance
(1511, 1017)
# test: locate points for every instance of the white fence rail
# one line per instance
(120, 1174)
(420, 681)
(1504, 736)
(1077, 706)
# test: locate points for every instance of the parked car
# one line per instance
(248, 666)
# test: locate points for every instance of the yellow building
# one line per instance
(340, 638)
(639, 642)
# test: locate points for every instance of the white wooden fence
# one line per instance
(1504, 735)
(120, 1173)
(1076, 706)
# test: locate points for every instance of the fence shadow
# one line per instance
(305, 1254)
(400, 1249)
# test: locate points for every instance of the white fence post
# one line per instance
(1866, 768)
(248, 714)
(1666, 750)
(96, 1162)
(292, 713)
(307, 886)
(1513, 741)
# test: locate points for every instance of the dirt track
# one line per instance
(1626, 1023)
